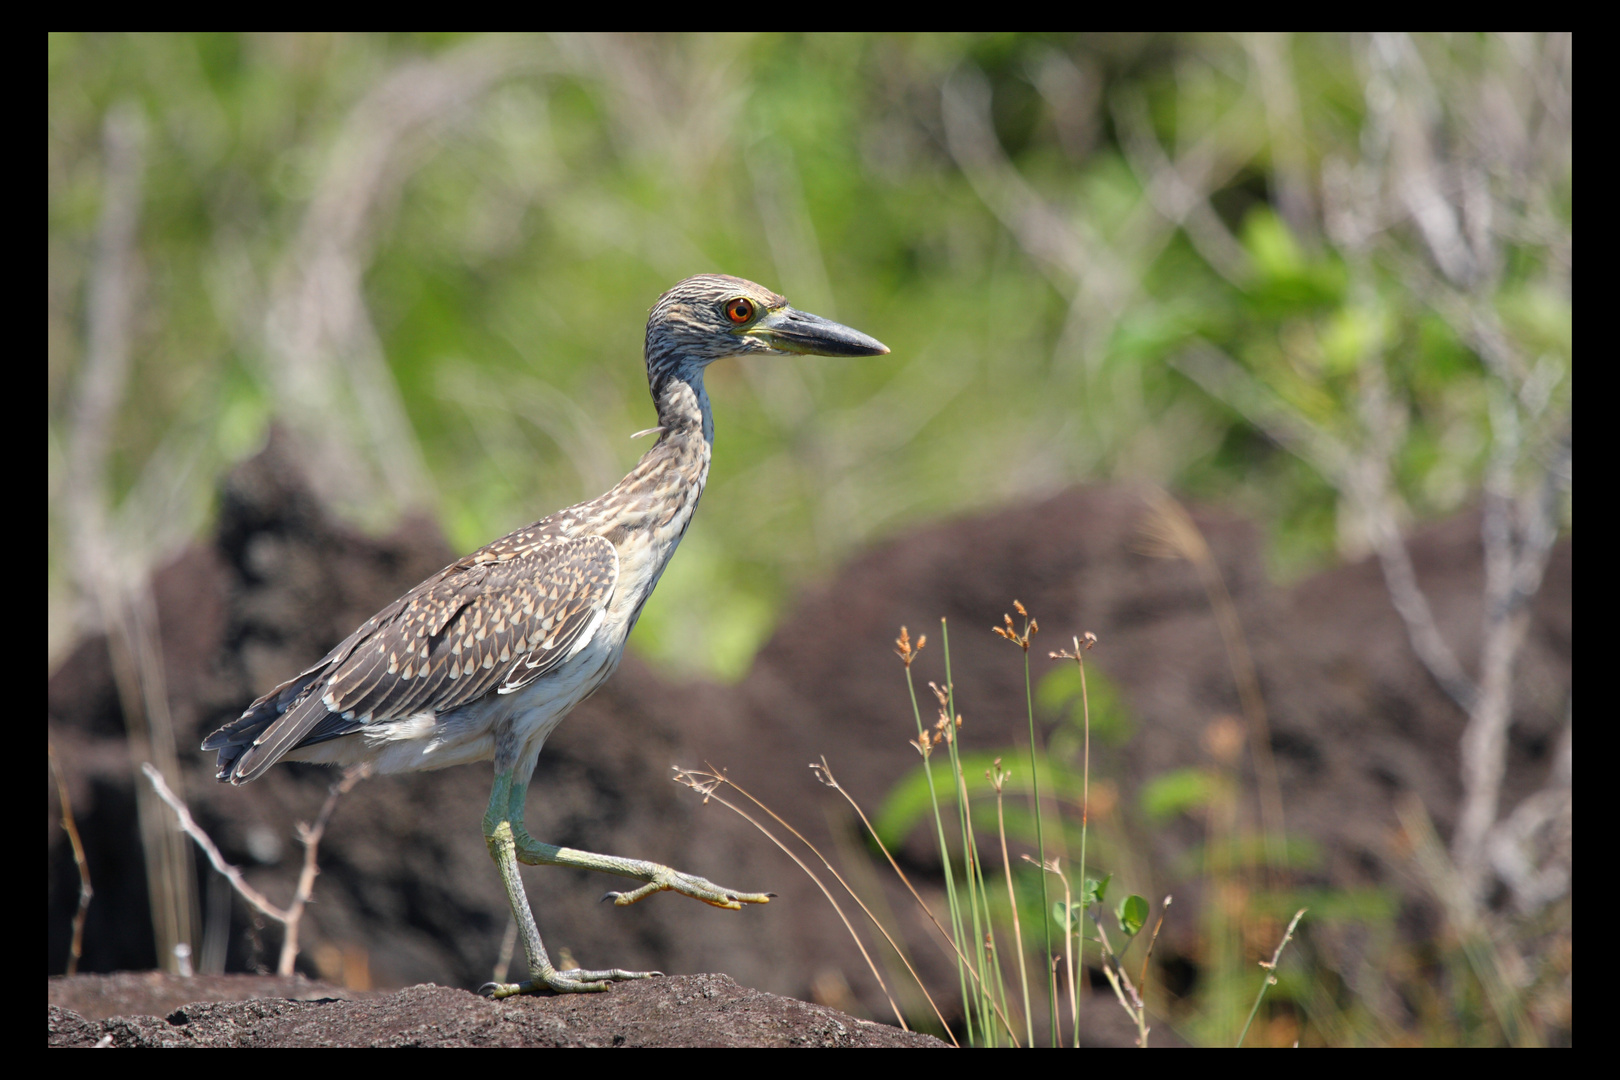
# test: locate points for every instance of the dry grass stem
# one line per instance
(1490, 958)
(1152, 941)
(1054, 866)
(998, 779)
(1031, 628)
(824, 773)
(707, 784)
(1124, 990)
(1271, 972)
(1169, 531)
(69, 826)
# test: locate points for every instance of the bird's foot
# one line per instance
(575, 981)
(665, 879)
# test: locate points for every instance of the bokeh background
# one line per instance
(1324, 281)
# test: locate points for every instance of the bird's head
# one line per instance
(713, 316)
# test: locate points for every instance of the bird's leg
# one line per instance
(658, 878)
(499, 833)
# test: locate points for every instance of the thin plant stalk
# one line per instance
(1078, 656)
(1170, 532)
(1129, 999)
(969, 870)
(308, 835)
(69, 826)
(978, 898)
(1031, 627)
(1040, 838)
(948, 711)
(1085, 794)
(1052, 992)
(705, 784)
(944, 849)
(971, 873)
(1271, 973)
(1154, 940)
(1012, 905)
(1053, 867)
(962, 960)
(1068, 963)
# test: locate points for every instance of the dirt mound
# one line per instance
(693, 1010)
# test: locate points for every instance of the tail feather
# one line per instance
(287, 717)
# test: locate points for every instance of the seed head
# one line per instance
(905, 650)
(1081, 644)
(1008, 631)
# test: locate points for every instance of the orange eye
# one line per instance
(740, 310)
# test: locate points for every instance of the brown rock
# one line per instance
(690, 1010)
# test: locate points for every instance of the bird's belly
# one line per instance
(543, 704)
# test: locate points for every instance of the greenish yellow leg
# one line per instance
(510, 843)
(498, 834)
(658, 878)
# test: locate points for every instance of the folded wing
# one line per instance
(493, 622)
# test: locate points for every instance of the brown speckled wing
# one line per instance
(491, 623)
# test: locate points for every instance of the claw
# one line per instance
(690, 885)
(573, 981)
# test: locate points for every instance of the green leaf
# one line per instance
(1094, 891)
(1132, 914)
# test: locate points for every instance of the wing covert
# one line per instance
(497, 625)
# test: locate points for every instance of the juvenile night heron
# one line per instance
(484, 659)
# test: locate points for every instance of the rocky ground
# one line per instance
(688, 1010)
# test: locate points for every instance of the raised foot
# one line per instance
(575, 981)
(667, 880)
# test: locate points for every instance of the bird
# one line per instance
(482, 660)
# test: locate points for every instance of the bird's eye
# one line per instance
(740, 310)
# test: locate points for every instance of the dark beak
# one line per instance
(801, 332)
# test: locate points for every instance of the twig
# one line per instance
(308, 835)
(1121, 982)
(1154, 940)
(69, 826)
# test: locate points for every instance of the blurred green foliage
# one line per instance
(509, 263)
